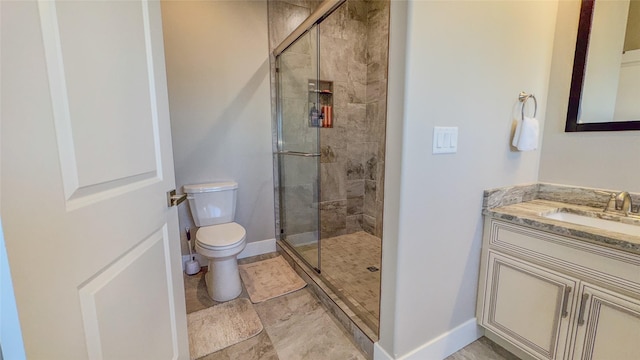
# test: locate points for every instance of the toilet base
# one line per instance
(223, 279)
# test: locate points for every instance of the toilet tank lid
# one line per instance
(210, 187)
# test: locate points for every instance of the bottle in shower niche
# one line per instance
(320, 103)
(327, 120)
(314, 116)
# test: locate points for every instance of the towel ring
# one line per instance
(523, 97)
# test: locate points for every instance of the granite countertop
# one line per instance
(527, 205)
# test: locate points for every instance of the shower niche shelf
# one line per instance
(320, 103)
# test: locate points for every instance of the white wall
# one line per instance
(466, 62)
(596, 159)
(218, 76)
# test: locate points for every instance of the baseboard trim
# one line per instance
(440, 347)
(253, 248)
(379, 353)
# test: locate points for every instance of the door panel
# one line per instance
(102, 296)
(612, 326)
(298, 146)
(96, 92)
(525, 303)
(86, 164)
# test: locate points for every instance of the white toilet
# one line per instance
(218, 238)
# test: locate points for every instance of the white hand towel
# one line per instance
(526, 135)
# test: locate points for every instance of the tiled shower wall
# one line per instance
(377, 64)
(353, 55)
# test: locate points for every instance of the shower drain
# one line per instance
(372, 268)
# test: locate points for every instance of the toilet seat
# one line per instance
(221, 236)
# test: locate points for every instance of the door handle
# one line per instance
(173, 199)
(565, 300)
(583, 308)
(297, 153)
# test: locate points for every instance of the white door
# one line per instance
(86, 164)
(608, 326)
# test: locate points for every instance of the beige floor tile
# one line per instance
(300, 328)
(221, 326)
(256, 348)
(482, 349)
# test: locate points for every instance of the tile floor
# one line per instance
(482, 349)
(297, 326)
(345, 263)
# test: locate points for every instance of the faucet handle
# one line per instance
(611, 204)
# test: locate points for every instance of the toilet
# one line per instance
(219, 239)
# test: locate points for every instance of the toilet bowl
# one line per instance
(220, 245)
(218, 238)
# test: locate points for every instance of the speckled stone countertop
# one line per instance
(527, 205)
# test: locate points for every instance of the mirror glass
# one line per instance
(605, 87)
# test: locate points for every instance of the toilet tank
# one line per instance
(212, 203)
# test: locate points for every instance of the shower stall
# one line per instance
(331, 81)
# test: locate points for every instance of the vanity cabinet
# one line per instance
(554, 297)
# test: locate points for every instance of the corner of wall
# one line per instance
(393, 166)
(379, 353)
(440, 347)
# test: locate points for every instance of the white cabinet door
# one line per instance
(86, 163)
(607, 326)
(528, 305)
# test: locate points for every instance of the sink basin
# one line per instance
(596, 222)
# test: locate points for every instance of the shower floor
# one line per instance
(346, 260)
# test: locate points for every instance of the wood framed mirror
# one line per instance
(605, 83)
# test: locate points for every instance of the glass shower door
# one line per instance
(298, 146)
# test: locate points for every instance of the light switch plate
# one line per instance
(445, 139)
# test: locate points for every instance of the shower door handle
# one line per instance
(297, 153)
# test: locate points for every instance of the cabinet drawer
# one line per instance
(594, 262)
